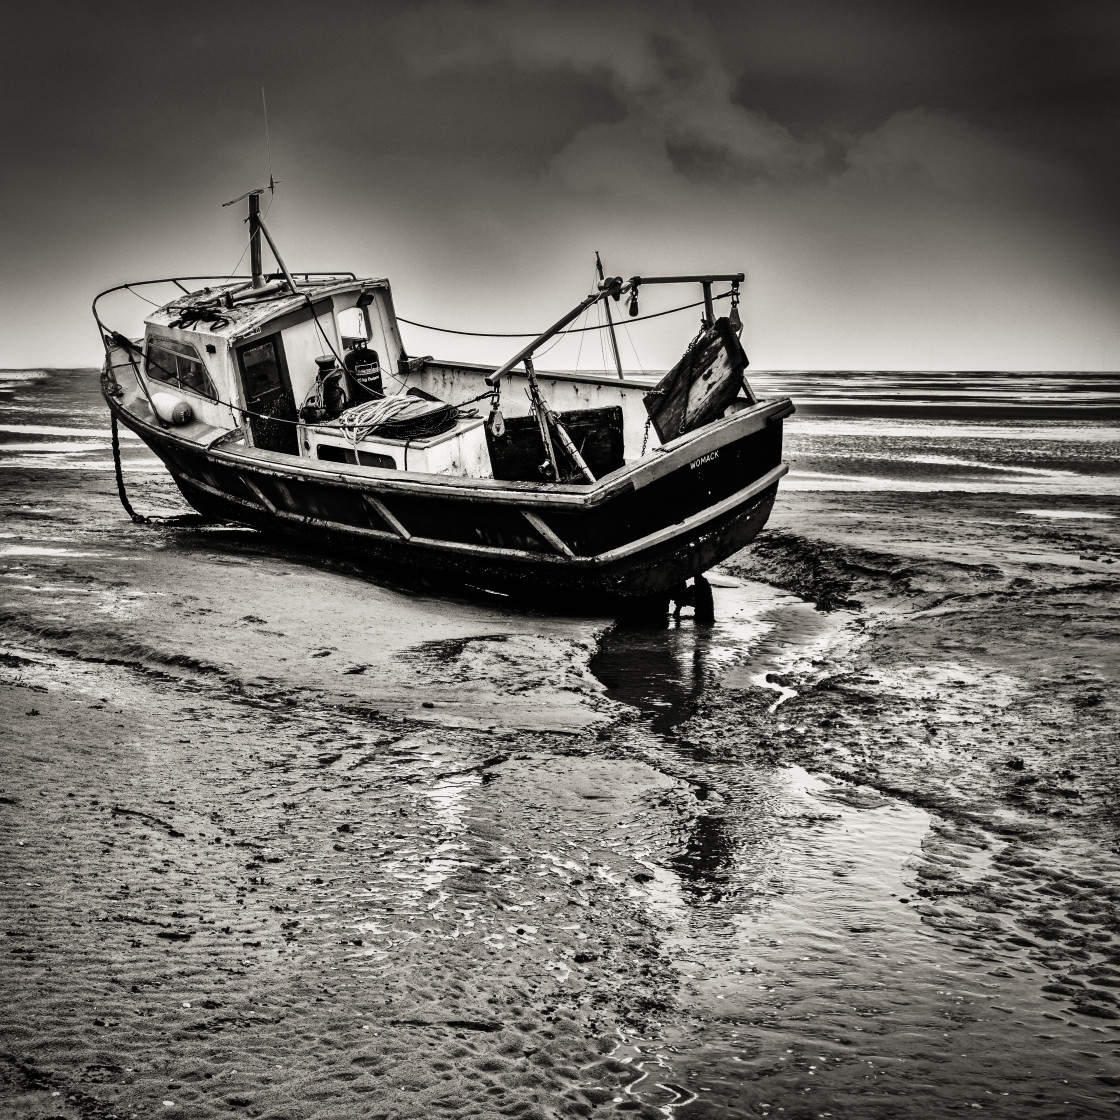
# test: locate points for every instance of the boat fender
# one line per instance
(171, 409)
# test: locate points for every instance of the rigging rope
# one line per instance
(128, 288)
(570, 330)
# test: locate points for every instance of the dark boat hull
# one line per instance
(635, 534)
(656, 571)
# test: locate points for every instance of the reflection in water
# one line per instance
(830, 952)
(706, 863)
(758, 631)
(659, 671)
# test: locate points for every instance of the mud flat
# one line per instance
(246, 864)
(281, 842)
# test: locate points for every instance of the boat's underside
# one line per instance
(635, 533)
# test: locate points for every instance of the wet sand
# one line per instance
(282, 842)
(968, 715)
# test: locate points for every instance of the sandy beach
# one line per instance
(281, 841)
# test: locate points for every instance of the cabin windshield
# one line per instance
(178, 364)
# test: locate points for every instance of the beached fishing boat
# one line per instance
(288, 403)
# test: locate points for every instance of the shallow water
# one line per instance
(818, 977)
(1036, 434)
(949, 395)
(759, 632)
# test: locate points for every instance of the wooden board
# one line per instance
(596, 432)
(700, 386)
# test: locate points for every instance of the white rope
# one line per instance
(360, 421)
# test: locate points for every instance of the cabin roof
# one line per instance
(248, 317)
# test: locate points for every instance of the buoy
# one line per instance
(172, 410)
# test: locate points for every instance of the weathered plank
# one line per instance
(700, 386)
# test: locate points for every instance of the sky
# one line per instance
(906, 185)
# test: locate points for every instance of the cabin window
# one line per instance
(353, 327)
(261, 365)
(373, 459)
(178, 364)
(331, 454)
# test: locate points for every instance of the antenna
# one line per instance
(272, 183)
(256, 219)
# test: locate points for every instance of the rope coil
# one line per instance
(396, 417)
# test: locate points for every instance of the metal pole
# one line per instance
(709, 307)
(128, 346)
(542, 422)
(276, 254)
(559, 325)
(255, 239)
(566, 442)
(710, 278)
(546, 418)
(610, 321)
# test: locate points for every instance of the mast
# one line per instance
(255, 239)
(255, 227)
(610, 320)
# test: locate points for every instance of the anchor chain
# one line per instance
(139, 518)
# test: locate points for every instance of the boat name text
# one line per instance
(704, 459)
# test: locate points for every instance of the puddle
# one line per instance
(804, 922)
(41, 550)
(48, 447)
(61, 430)
(759, 631)
(132, 466)
(818, 977)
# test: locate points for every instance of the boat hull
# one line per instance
(637, 533)
(652, 571)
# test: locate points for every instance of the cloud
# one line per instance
(899, 180)
(920, 147)
(673, 114)
(906, 234)
(660, 63)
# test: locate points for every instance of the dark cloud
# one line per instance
(907, 183)
(1043, 75)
